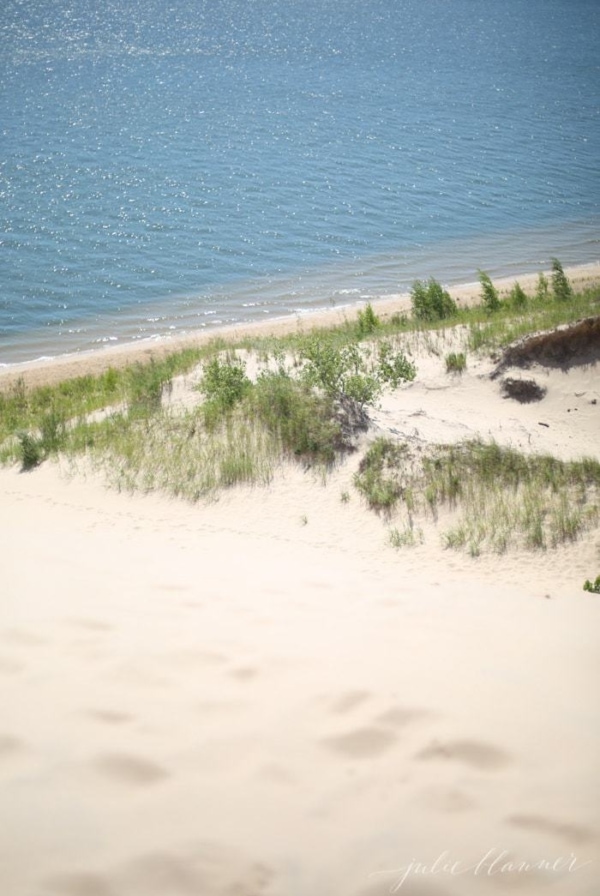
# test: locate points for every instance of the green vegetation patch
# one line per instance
(456, 362)
(594, 586)
(431, 302)
(502, 498)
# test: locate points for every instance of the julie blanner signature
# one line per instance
(494, 862)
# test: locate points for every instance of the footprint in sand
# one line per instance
(476, 754)
(362, 743)
(131, 770)
(571, 833)
(349, 701)
(91, 625)
(79, 885)
(208, 869)
(22, 638)
(446, 800)
(369, 741)
(10, 746)
(244, 673)
(109, 716)
(400, 717)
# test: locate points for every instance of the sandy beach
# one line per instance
(259, 696)
(52, 370)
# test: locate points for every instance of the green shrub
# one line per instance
(31, 451)
(145, 384)
(542, 292)
(594, 587)
(347, 372)
(561, 287)
(489, 294)
(503, 498)
(304, 421)
(332, 368)
(368, 321)
(53, 432)
(456, 362)
(224, 382)
(431, 302)
(518, 297)
(409, 537)
(393, 366)
(377, 478)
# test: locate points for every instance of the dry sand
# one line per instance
(260, 697)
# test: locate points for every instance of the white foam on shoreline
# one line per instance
(130, 348)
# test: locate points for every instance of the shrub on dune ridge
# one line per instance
(518, 297)
(542, 291)
(245, 428)
(561, 287)
(431, 302)
(489, 294)
(303, 421)
(224, 382)
(367, 321)
(348, 372)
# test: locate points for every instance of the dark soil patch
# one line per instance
(571, 346)
(524, 391)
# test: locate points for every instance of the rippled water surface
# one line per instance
(171, 164)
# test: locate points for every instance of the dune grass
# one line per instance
(305, 404)
(501, 498)
(50, 407)
(44, 413)
(456, 362)
(175, 454)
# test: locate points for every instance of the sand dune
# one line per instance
(260, 697)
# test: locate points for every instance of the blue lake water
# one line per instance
(173, 164)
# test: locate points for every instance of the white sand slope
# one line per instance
(260, 697)
(196, 704)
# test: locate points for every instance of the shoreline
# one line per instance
(51, 370)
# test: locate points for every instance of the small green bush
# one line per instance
(431, 302)
(145, 384)
(409, 537)
(518, 297)
(304, 421)
(377, 478)
(561, 287)
(542, 292)
(393, 367)
(53, 433)
(338, 370)
(456, 362)
(368, 321)
(489, 294)
(594, 587)
(224, 382)
(347, 372)
(31, 451)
